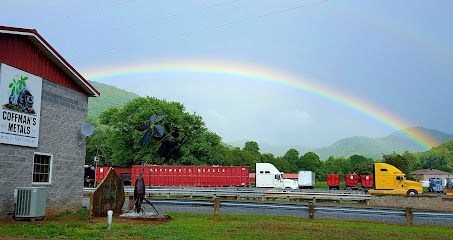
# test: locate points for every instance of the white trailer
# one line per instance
(268, 176)
(306, 179)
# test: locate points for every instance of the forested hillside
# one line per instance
(110, 96)
(375, 147)
(118, 142)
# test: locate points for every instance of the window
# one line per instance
(267, 172)
(42, 168)
(384, 170)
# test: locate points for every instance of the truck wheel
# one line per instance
(412, 192)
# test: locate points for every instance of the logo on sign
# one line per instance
(20, 101)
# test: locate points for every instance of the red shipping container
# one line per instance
(101, 173)
(351, 181)
(196, 176)
(367, 181)
(333, 181)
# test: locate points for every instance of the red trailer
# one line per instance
(195, 176)
(123, 172)
(333, 181)
(351, 181)
(367, 181)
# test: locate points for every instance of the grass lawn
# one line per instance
(203, 226)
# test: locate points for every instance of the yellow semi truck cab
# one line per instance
(390, 180)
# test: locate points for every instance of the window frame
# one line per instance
(50, 169)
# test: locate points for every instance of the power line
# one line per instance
(95, 10)
(168, 17)
(214, 27)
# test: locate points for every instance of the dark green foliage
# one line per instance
(402, 162)
(123, 143)
(310, 162)
(440, 157)
(361, 165)
(292, 156)
(251, 146)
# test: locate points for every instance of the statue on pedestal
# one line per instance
(139, 192)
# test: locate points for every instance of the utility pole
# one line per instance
(96, 159)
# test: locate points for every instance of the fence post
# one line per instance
(90, 209)
(311, 210)
(216, 205)
(409, 216)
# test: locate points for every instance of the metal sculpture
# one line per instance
(139, 192)
(151, 129)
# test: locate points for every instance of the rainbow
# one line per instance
(267, 75)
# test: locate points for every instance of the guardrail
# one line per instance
(253, 193)
(311, 209)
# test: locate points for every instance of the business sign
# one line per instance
(20, 106)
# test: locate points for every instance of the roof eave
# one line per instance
(54, 55)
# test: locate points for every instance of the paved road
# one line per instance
(165, 206)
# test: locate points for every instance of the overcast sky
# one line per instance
(397, 55)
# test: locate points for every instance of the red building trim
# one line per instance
(29, 51)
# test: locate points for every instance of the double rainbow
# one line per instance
(267, 75)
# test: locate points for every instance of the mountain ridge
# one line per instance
(375, 147)
(110, 96)
(366, 146)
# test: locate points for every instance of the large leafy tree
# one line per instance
(198, 145)
(361, 165)
(310, 161)
(251, 146)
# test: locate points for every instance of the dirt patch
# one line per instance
(6, 220)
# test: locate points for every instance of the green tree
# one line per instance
(292, 155)
(200, 146)
(290, 160)
(309, 162)
(251, 146)
(399, 161)
(361, 165)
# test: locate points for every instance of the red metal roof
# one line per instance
(52, 54)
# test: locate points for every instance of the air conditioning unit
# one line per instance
(30, 203)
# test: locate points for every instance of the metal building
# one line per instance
(43, 104)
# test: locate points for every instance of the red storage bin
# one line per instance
(333, 181)
(196, 176)
(367, 181)
(351, 181)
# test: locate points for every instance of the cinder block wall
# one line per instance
(63, 111)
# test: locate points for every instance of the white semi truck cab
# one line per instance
(268, 176)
